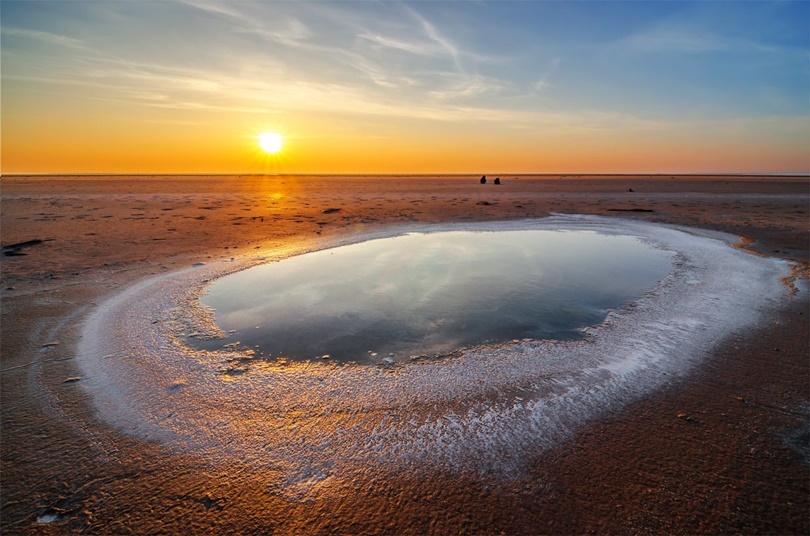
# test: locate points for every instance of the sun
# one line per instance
(270, 142)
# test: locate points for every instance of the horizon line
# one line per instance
(566, 174)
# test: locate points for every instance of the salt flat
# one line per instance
(703, 447)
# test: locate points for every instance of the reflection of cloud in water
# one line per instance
(488, 410)
(432, 292)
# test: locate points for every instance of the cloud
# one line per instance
(543, 83)
(434, 35)
(282, 28)
(691, 40)
(311, 42)
(414, 47)
(45, 37)
(461, 86)
(268, 58)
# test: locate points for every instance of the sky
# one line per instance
(405, 87)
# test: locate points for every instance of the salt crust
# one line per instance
(486, 410)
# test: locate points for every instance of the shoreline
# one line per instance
(100, 480)
(660, 335)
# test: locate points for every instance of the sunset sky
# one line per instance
(391, 87)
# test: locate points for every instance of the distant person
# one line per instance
(483, 179)
(497, 180)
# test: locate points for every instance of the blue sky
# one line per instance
(564, 74)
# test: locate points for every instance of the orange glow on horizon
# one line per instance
(269, 87)
(188, 145)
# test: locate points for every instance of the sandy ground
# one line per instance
(737, 460)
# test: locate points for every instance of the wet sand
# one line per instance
(722, 451)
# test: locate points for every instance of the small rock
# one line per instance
(387, 361)
(49, 516)
(72, 379)
(629, 189)
(50, 344)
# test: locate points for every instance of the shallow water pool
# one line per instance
(431, 293)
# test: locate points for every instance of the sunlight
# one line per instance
(270, 142)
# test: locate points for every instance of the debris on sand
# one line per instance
(630, 210)
(14, 250)
(49, 516)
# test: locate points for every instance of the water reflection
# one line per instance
(432, 293)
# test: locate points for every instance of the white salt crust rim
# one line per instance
(487, 411)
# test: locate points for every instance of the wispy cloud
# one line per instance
(45, 37)
(286, 29)
(421, 48)
(437, 37)
(462, 85)
(384, 60)
(356, 68)
(689, 39)
(543, 82)
(189, 89)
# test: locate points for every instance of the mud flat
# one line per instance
(683, 413)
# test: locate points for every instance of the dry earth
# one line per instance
(736, 460)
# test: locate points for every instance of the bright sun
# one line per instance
(270, 142)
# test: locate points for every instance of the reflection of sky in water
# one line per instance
(428, 293)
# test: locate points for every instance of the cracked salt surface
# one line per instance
(487, 409)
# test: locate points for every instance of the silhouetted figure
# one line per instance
(483, 179)
(498, 180)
